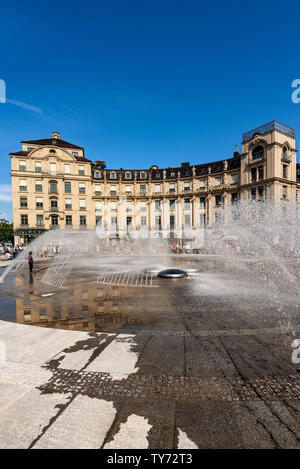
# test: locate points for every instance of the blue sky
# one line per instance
(144, 82)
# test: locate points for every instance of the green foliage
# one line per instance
(6, 233)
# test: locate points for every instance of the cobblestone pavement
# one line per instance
(273, 388)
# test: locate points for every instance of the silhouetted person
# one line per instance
(30, 263)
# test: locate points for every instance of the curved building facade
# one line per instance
(55, 186)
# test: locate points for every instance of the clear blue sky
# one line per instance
(139, 82)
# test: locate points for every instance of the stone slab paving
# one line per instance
(66, 389)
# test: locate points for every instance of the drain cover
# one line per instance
(172, 273)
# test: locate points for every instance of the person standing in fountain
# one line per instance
(30, 263)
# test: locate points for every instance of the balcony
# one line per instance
(286, 157)
(53, 209)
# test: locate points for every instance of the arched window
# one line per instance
(258, 152)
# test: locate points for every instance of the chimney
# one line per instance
(236, 153)
(56, 135)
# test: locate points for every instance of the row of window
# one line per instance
(113, 189)
(38, 168)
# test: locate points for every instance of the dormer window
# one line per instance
(127, 175)
(113, 175)
(30, 148)
(157, 176)
(143, 175)
(258, 152)
(75, 153)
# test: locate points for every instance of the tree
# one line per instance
(6, 232)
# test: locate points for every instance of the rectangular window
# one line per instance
(234, 198)
(143, 175)
(143, 221)
(143, 189)
(158, 221)
(98, 206)
(23, 202)
(172, 204)
(129, 207)
(128, 189)
(82, 204)
(157, 188)
(187, 204)
(54, 207)
(172, 221)
(22, 165)
(202, 219)
(67, 169)
(113, 175)
(157, 205)
(218, 181)
(67, 187)
(82, 220)
(284, 192)
(99, 221)
(23, 185)
(202, 183)
(260, 172)
(234, 179)
(39, 203)
(68, 204)
(81, 188)
(97, 189)
(53, 169)
(128, 221)
(143, 206)
(172, 187)
(40, 220)
(284, 170)
(97, 174)
(113, 190)
(187, 220)
(24, 220)
(54, 220)
(253, 194)
(68, 219)
(113, 206)
(253, 174)
(53, 187)
(38, 167)
(81, 170)
(202, 202)
(218, 200)
(38, 186)
(113, 221)
(261, 193)
(187, 186)
(75, 153)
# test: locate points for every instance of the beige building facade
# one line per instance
(54, 185)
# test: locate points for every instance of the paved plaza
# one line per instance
(202, 362)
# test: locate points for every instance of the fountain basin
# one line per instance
(172, 273)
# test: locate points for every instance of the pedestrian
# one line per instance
(30, 263)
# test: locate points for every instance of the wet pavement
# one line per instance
(202, 362)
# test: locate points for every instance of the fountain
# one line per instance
(254, 252)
